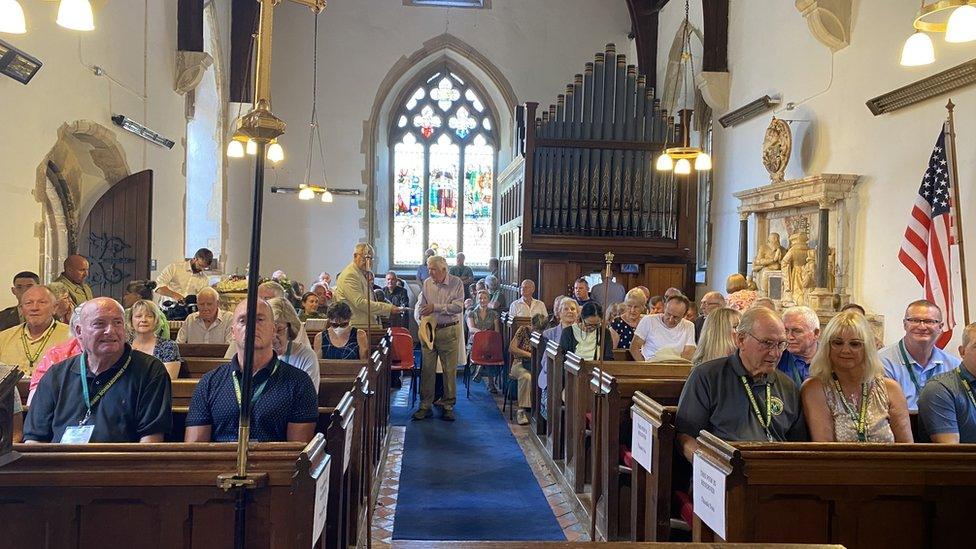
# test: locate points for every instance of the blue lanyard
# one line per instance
(90, 402)
(908, 366)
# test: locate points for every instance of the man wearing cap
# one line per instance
(442, 298)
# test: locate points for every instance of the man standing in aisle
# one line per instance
(442, 298)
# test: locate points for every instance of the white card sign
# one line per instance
(641, 443)
(709, 492)
(321, 503)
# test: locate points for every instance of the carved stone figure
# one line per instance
(794, 260)
(831, 269)
(777, 146)
(808, 279)
(769, 256)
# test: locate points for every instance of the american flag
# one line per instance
(930, 232)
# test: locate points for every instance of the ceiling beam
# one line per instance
(189, 25)
(644, 31)
(243, 27)
(715, 57)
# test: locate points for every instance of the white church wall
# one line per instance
(538, 46)
(771, 50)
(66, 91)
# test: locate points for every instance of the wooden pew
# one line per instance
(161, 495)
(203, 350)
(537, 420)
(196, 367)
(555, 442)
(615, 385)
(398, 544)
(622, 355)
(577, 402)
(861, 495)
(651, 489)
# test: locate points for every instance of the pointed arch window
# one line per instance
(443, 157)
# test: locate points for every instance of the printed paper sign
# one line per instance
(321, 504)
(641, 443)
(709, 491)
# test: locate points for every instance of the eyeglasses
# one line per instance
(587, 327)
(854, 344)
(769, 345)
(928, 322)
(339, 324)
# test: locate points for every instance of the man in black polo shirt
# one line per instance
(284, 402)
(743, 396)
(109, 393)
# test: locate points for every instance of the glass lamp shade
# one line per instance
(276, 153)
(12, 17)
(327, 197)
(664, 163)
(76, 15)
(252, 147)
(235, 149)
(703, 162)
(917, 51)
(682, 166)
(962, 25)
(306, 193)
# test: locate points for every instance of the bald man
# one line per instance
(73, 277)
(285, 404)
(25, 344)
(108, 393)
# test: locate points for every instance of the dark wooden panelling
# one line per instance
(117, 236)
(190, 25)
(715, 56)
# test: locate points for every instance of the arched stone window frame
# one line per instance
(497, 93)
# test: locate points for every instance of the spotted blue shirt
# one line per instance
(288, 397)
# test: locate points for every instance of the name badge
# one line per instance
(79, 434)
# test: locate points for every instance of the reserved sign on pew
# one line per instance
(321, 505)
(641, 443)
(709, 493)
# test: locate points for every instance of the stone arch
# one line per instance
(471, 64)
(84, 162)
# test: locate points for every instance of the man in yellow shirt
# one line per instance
(25, 344)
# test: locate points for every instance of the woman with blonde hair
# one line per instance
(847, 397)
(717, 336)
(144, 324)
(622, 327)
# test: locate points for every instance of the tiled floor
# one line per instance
(573, 527)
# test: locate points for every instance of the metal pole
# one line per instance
(957, 206)
(244, 427)
(597, 484)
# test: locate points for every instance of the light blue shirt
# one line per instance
(894, 365)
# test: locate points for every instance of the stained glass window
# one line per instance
(444, 156)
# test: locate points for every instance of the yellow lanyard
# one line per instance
(860, 420)
(257, 390)
(969, 388)
(46, 337)
(765, 423)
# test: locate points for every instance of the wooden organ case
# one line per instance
(583, 182)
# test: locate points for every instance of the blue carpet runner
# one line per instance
(469, 480)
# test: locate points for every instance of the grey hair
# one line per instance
(491, 281)
(436, 260)
(750, 317)
(361, 247)
(50, 293)
(209, 291)
(274, 287)
(808, 315)
(283, 311)
(968, 334)
(75, 318)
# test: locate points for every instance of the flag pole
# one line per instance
(957, 217)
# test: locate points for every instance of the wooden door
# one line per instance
(117, 236)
